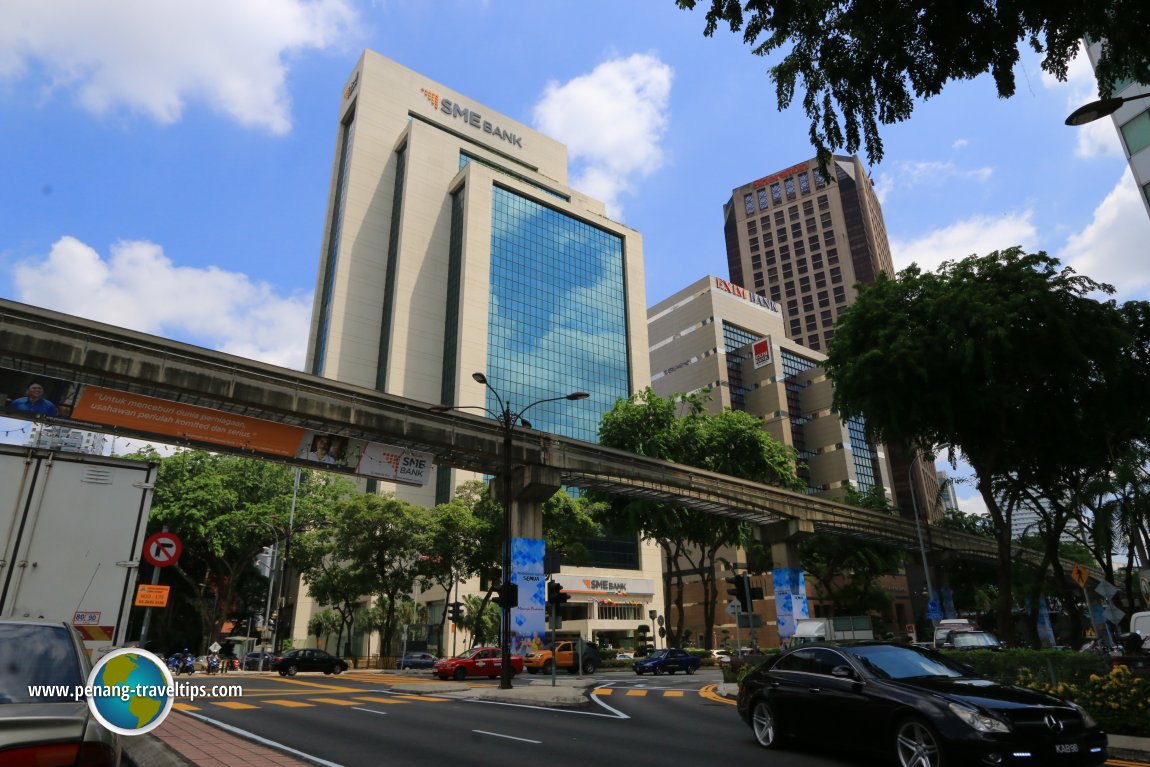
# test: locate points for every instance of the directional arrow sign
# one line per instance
(162, 549)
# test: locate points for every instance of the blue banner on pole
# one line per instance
(790, 599)
(528, 619)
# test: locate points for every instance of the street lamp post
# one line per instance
(1096, 110)
(507, 419)
(921, 544)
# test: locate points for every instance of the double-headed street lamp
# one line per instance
(507, 419)
(1096, 110)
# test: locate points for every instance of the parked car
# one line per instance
(416, 660)
(252, 661)
(974, 640)
(624, 656)
(567, 655)
(294, 661)
(667, 662)
(922, 707)
(48, 728)
(478, 661)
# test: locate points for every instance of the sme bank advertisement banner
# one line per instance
(94, 407)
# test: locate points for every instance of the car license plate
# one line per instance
(1066, 748)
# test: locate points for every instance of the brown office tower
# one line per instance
(804, 241)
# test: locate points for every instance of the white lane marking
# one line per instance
(265, 741)
(509, 737)
(368, 710)
(616, 715)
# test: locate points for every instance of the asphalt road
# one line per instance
(356, 719)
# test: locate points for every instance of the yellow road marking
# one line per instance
(334, 701)
(289, 703)
(232, 704)
(637, 693)
(423, 697)
(711, 693)
(604, 691)
(185, 707)
(673, 694)
(382, 700)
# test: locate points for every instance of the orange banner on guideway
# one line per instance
(158, 416)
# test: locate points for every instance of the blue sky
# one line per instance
(165, 167)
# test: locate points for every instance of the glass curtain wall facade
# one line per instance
(557, 321)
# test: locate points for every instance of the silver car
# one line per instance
(48, 728)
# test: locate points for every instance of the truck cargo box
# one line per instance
(72, 529)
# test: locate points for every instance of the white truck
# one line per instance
(810, 630)
(72, 529)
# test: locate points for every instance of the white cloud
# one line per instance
(960, 144)
(972, 503)
(153, 58)
(978, 235)
(904, 176)
(1112, 247)
(612, 121)
(138, 287)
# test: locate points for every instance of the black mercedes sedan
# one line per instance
(914, 706)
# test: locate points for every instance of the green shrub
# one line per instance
(1119, 700)
(1028, 667)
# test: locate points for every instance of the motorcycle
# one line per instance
(188, 665)
(213, 664)
(174, 665)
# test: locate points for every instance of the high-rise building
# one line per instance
(1132, 121)
(946, 490)
(454, 245)
(798, 239)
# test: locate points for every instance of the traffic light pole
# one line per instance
(750, 612)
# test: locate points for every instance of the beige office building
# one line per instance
(719, 336)
(453, 245)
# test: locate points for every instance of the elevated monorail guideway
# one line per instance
(167, 385)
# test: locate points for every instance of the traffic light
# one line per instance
(741, 591)
(507, 595)
(455, 612)
(555, 594)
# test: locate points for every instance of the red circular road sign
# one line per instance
(162, 549)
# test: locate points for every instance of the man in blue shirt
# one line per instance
(34, 402)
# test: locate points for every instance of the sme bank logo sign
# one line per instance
(470, 117)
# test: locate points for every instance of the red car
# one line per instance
(478, 661)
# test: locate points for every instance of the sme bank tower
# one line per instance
(453, 245)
